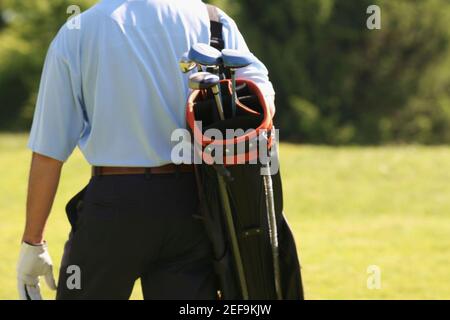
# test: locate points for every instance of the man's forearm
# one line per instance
(42, 185)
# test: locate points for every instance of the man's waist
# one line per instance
(166, 169)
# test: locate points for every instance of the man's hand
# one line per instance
(34, 261)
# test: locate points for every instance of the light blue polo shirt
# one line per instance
(113, 86)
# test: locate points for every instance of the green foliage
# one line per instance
(24, 40)
(358, 85)
(336, 81)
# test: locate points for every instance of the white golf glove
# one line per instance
(34, 261)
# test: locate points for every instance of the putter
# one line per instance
(234, 60)
(206, 80)
(205, 55)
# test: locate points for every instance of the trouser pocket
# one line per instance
(73, 207)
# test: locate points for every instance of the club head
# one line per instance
(205, 55)
(186, 64)
(236, 59)
(203, 80)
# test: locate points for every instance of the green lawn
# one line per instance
(350, 208)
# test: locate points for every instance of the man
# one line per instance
(113, 88)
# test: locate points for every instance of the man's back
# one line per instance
(122, 67)
(134, 51)
(113, 86)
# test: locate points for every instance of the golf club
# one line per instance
(234, 60)
(187, 65)
(273, 230)
(206, 80)
(272, 219)
(205, 55)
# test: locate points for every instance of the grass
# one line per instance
(349, 208)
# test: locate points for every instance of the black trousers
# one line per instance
(137, 226)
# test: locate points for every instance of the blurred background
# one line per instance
(365, 123)
(337, 82)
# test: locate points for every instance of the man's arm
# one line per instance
(42, 185)
(57, 126)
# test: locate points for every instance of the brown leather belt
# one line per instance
(167, 169)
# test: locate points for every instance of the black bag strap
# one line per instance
(216, 28)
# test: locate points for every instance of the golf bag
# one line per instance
(245, 190)
(234, 197)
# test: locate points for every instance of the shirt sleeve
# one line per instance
(58, 119)
(257, 71)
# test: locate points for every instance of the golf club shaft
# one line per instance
(214, 70)
(216, 92)
(273, 231)
(234, 98)
(233, 238)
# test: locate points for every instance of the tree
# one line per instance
(338, 82)
(24, 40)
